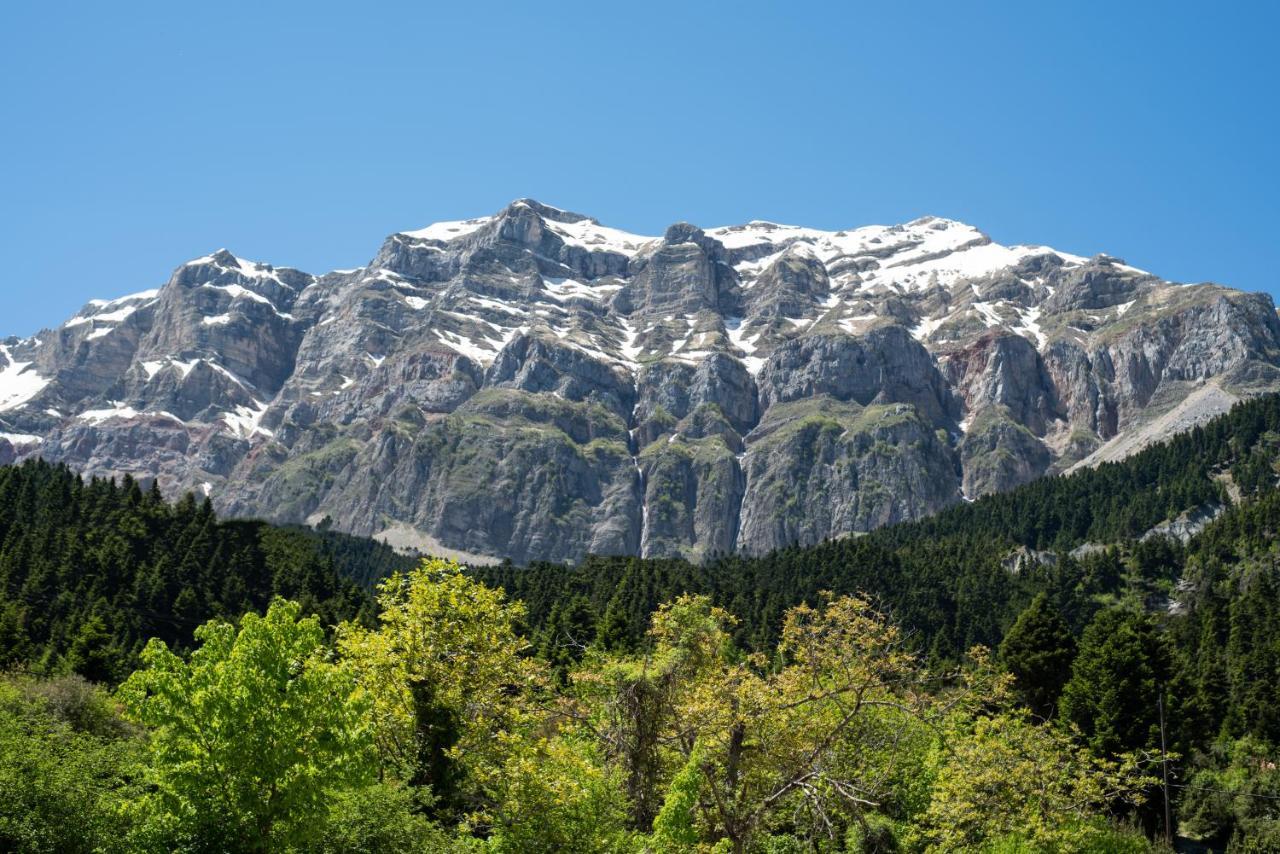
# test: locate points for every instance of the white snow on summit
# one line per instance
(450, 230)
(19, 382)
(759, 231)
(246, 268)
(98, 312)
(593, 236)
(141, 296)
(918, 254)
(585, 232)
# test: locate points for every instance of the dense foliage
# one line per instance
(90, 570)
(1100, 626)
(435, 731)
(943, 577)
(248, 736)
(1005, 676)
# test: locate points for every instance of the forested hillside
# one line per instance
(1053, 573)
(1005, 676)
(90, 570)
(962, 576)
(101, 566)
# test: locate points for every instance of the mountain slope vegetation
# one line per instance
(1006, 675)
(962, 576)
(91, 570)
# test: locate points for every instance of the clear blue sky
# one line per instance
(136, 136)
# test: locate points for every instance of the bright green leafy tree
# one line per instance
(446, 673)
(250, 737)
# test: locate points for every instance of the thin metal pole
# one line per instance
(1164, 762)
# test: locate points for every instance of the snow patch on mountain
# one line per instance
(450, 230)
(246, 422)
(238, 292)
(593, 236)
(1030, 327)
(19, 382)
(988, 313)
(564, 289)
(482, 352)
(116, 411)
(746, 346)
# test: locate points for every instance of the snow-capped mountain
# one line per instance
(534, 384)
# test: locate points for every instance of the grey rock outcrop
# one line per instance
(819, 468)
(536, 385)
(884, 366)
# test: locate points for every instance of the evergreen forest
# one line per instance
(1057, 668)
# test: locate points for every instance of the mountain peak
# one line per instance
(874, 374)
(543, 209)
(449, 230)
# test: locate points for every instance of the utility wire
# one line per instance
(1226, 792)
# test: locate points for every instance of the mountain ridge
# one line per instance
(536, 385)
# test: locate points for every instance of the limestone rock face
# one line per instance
(1099, 284)
(718, 389)
(819, 468)
(999, 453)
(793, 285)
(1003, 370)
(686, 273)
(884, 365)
(535, 385)
(693, 490)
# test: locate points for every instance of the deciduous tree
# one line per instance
(250, 737)
(445, 672)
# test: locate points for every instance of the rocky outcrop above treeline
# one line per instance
(535, 385)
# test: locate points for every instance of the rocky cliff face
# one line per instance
(535, 385)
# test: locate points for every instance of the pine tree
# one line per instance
(92, 653)
(1116, 679)
(1038, 651)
